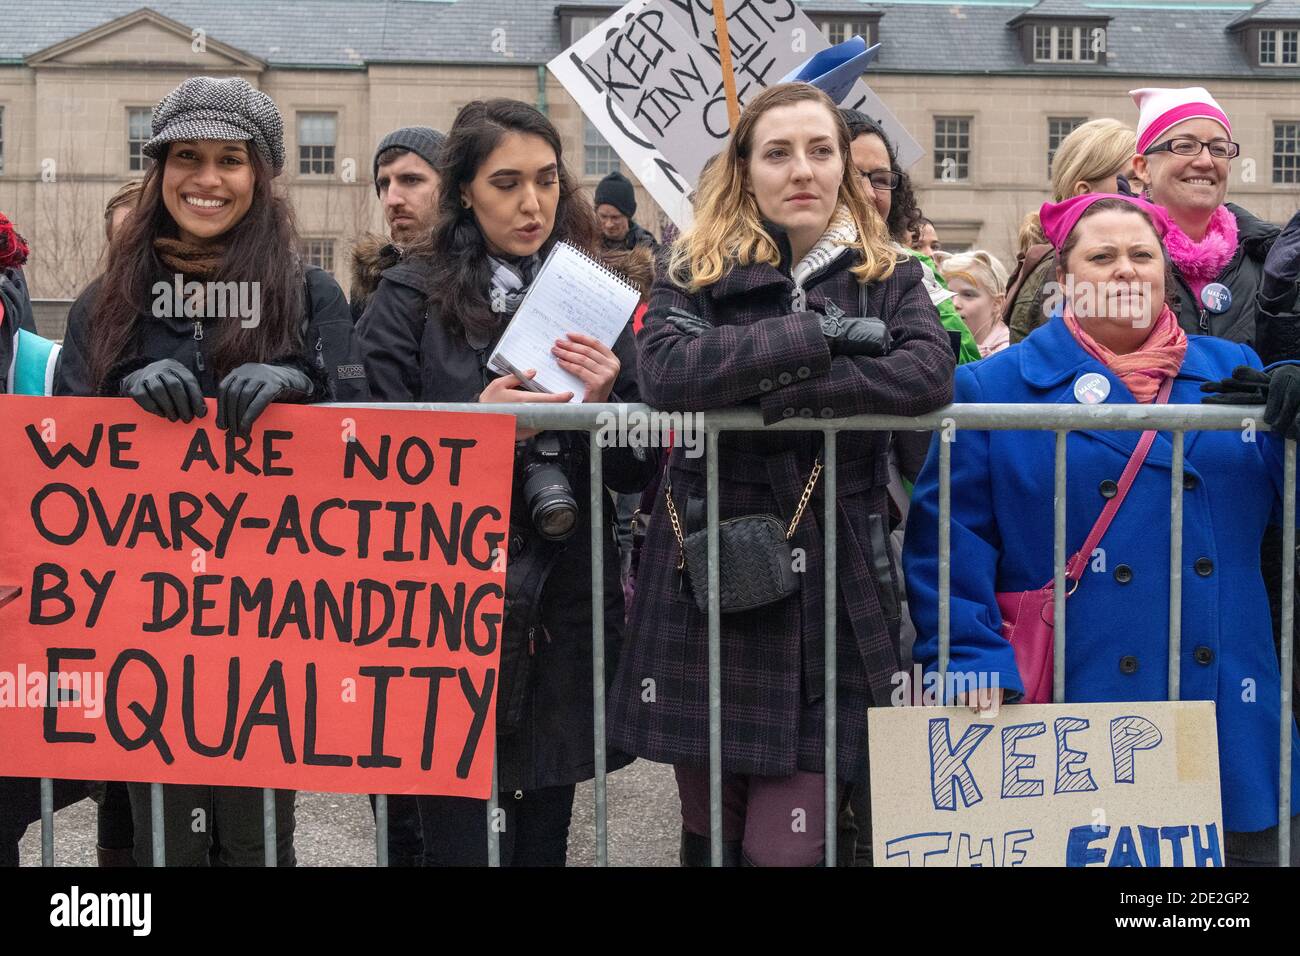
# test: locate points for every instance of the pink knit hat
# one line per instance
(1059, 218)
(1159, 109)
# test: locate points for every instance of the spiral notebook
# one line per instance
(570, 293)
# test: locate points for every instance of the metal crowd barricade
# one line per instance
(1062, 419)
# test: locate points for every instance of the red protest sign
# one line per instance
(319, 608)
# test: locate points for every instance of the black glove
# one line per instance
(246, 392)
(166, 388)
(1278, 391)
(692, 325)
(853, 336)
(1277, 287)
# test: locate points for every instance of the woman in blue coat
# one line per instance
(1118, 618)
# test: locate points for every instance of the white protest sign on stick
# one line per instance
(649, 79)
(1105, 784)
(665, 184)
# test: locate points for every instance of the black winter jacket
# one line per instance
(1242, 276)
(329, 353)
(544, 706)
(17, 308)
(637, 235)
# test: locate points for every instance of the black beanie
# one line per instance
(425, 141)
(618, 192)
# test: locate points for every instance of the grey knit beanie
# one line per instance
(204, 108)
(425, 141)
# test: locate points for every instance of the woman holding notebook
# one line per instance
(786, 295)
(507, 200)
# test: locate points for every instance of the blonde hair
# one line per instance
(979, 268)
(728, 229)
(1098, 149)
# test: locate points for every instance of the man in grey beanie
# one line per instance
(615, 207)
(407, 184)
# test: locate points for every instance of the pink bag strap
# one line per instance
(1074, 569)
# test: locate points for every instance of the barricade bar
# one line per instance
(598, 502)
(977, 417)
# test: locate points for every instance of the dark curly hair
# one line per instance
(456, 250)
(904, 222)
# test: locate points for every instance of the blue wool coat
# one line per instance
(1117, 621)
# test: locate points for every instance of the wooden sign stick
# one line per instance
(724, 55)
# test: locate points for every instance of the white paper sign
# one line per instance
(648, 79)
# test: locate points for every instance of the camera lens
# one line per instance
(554, 519)
(551, 504)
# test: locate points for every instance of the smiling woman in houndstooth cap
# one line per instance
(207, 215)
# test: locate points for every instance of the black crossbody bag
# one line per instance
(755, 563)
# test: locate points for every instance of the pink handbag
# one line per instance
(1028, 616)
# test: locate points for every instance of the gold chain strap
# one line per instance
(803, 501)
(677, 526)
(794, 522)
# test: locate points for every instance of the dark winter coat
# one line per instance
(762, 353)
(637, 235)
(13, 286)
(329, 354)
(545, 725)
(372, 256)
(17, 309)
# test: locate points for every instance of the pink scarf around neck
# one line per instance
(1158, 358)
(1201, 262)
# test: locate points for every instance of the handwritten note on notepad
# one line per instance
(571, 293)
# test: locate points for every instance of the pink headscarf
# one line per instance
(1060, 218)
(1161, 355)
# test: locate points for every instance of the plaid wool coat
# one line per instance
(760, 352)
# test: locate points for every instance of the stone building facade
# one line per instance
(988, 87)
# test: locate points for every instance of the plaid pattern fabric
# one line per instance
(772, 658)
(204, 108)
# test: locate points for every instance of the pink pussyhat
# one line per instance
(1059, 218)
(1159, 109)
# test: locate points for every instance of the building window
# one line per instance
(1286, 152)
(139, 130)
(952, 148)
(837, 31)
(316, 137)
(319, 253)
(1042, 44)
(599, 158)
(1267, 46)
(1068, 44)
(1279, 47)
(580, 26)
(1059, 127)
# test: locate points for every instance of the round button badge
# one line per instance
(1216, 297)
(1091, 389)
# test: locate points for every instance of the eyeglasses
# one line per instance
(883, 179)
(1187, 146)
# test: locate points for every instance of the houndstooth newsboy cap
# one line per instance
(204, 108)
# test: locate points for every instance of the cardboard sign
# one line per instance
(665, 183)
(1126, 784)
(657, 66)
(319, 608)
